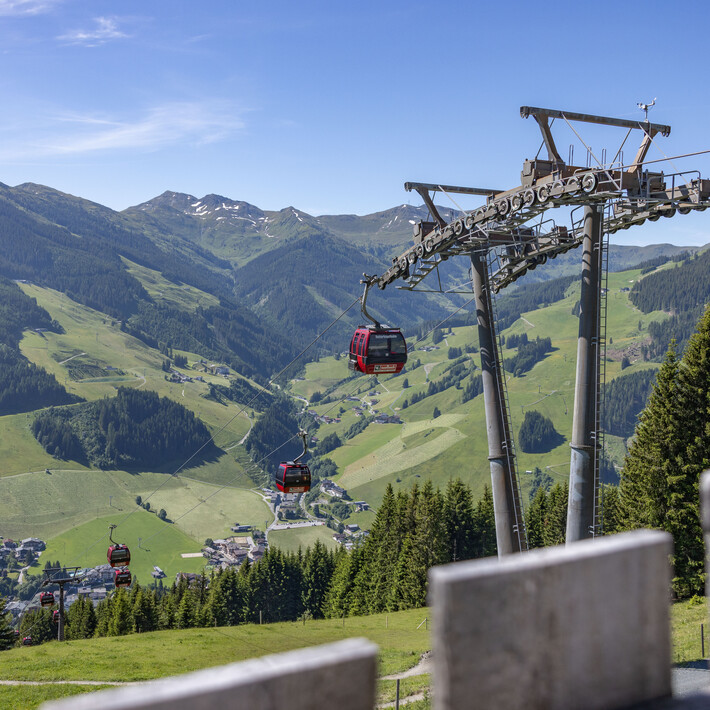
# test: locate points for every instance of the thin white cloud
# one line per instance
(26, 7)
(106, 30)
(163, 126)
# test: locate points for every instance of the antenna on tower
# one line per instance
(645, 107)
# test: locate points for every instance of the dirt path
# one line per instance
(70, 358)
(424, 666)
(523, 318)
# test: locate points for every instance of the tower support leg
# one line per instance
(580, 506)
(60, 622)
(510, 536)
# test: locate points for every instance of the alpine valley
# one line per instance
(158, 363)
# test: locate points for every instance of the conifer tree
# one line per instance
(143, 611)
(485, 525)
(120, 622)
(7, 635)
(104, 612)
(381, 554)
(337, 599)
(38, 624)
(643, 494)
(535, 519)
(610, 508)
(187, 611)
(692, 456)
(459, 521)
(81, 619)
(555, 521)
(660, 479)
(317, 573)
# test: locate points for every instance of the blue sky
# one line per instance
(332, 106)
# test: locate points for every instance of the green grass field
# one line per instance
(452, 445)
(162, 653)
(165, 653)
(46, 505)
(161, 544)
(291, 540)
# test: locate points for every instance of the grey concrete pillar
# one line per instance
(584, 627)
(510, 535)
(582, 484)
(338, 675)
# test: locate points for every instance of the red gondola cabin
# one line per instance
(122, 577)
(377, 350)
(46, 599)
(293, 477)
(27, 641)
(55, 616)
(118, 556)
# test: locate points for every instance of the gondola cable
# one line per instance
(229, 421)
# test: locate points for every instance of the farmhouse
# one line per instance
(332, 489)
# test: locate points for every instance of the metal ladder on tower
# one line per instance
(519, 517)
(603, 256)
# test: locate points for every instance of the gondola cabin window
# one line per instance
(374, 350)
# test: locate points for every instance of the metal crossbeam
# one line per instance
(613, 197)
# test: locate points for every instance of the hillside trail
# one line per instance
(424, 666)
(71, 358)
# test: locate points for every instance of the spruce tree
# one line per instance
(81, 619)
(535, 519)
(643, 494)
(121, 622)
(485, 525)
(7, 635)
(555, 526)
(692, 456)
(660, 479)
(317, 573)
(459, 519)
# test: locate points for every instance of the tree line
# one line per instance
(412, 531)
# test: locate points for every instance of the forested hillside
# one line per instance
(317, 277)
(75, 246)
(682, 291)
(624, 398)
(136, 428)
(24, 386)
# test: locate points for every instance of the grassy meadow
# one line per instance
(165, 653)
(208, 496)
(159, 654)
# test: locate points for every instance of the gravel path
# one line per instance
(424, 666)
(690, 680)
